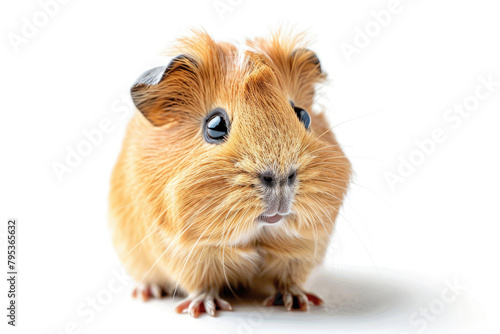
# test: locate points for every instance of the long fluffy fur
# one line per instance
(183, 211)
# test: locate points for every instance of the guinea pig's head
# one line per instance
(233, 143)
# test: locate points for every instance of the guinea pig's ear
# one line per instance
(307, 57)
(146, 93)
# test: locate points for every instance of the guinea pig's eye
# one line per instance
(303, 115)
(216, 126)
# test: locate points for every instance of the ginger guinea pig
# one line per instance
(227, 175)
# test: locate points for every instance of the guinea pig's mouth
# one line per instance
(270, 219)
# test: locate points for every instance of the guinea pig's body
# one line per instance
(227, 175)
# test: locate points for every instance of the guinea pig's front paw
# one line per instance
(203, 302)
(293, 298)
(147, 291)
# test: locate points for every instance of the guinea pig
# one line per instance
(227, 176)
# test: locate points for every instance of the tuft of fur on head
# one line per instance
(190, 192)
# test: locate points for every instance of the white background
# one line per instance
(394, 249)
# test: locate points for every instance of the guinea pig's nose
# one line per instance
(292, 176)
(271, 179)
(268, 179)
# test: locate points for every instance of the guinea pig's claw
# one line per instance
(314, 299)
(294, 298)
(205, 302)
(147, 291)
